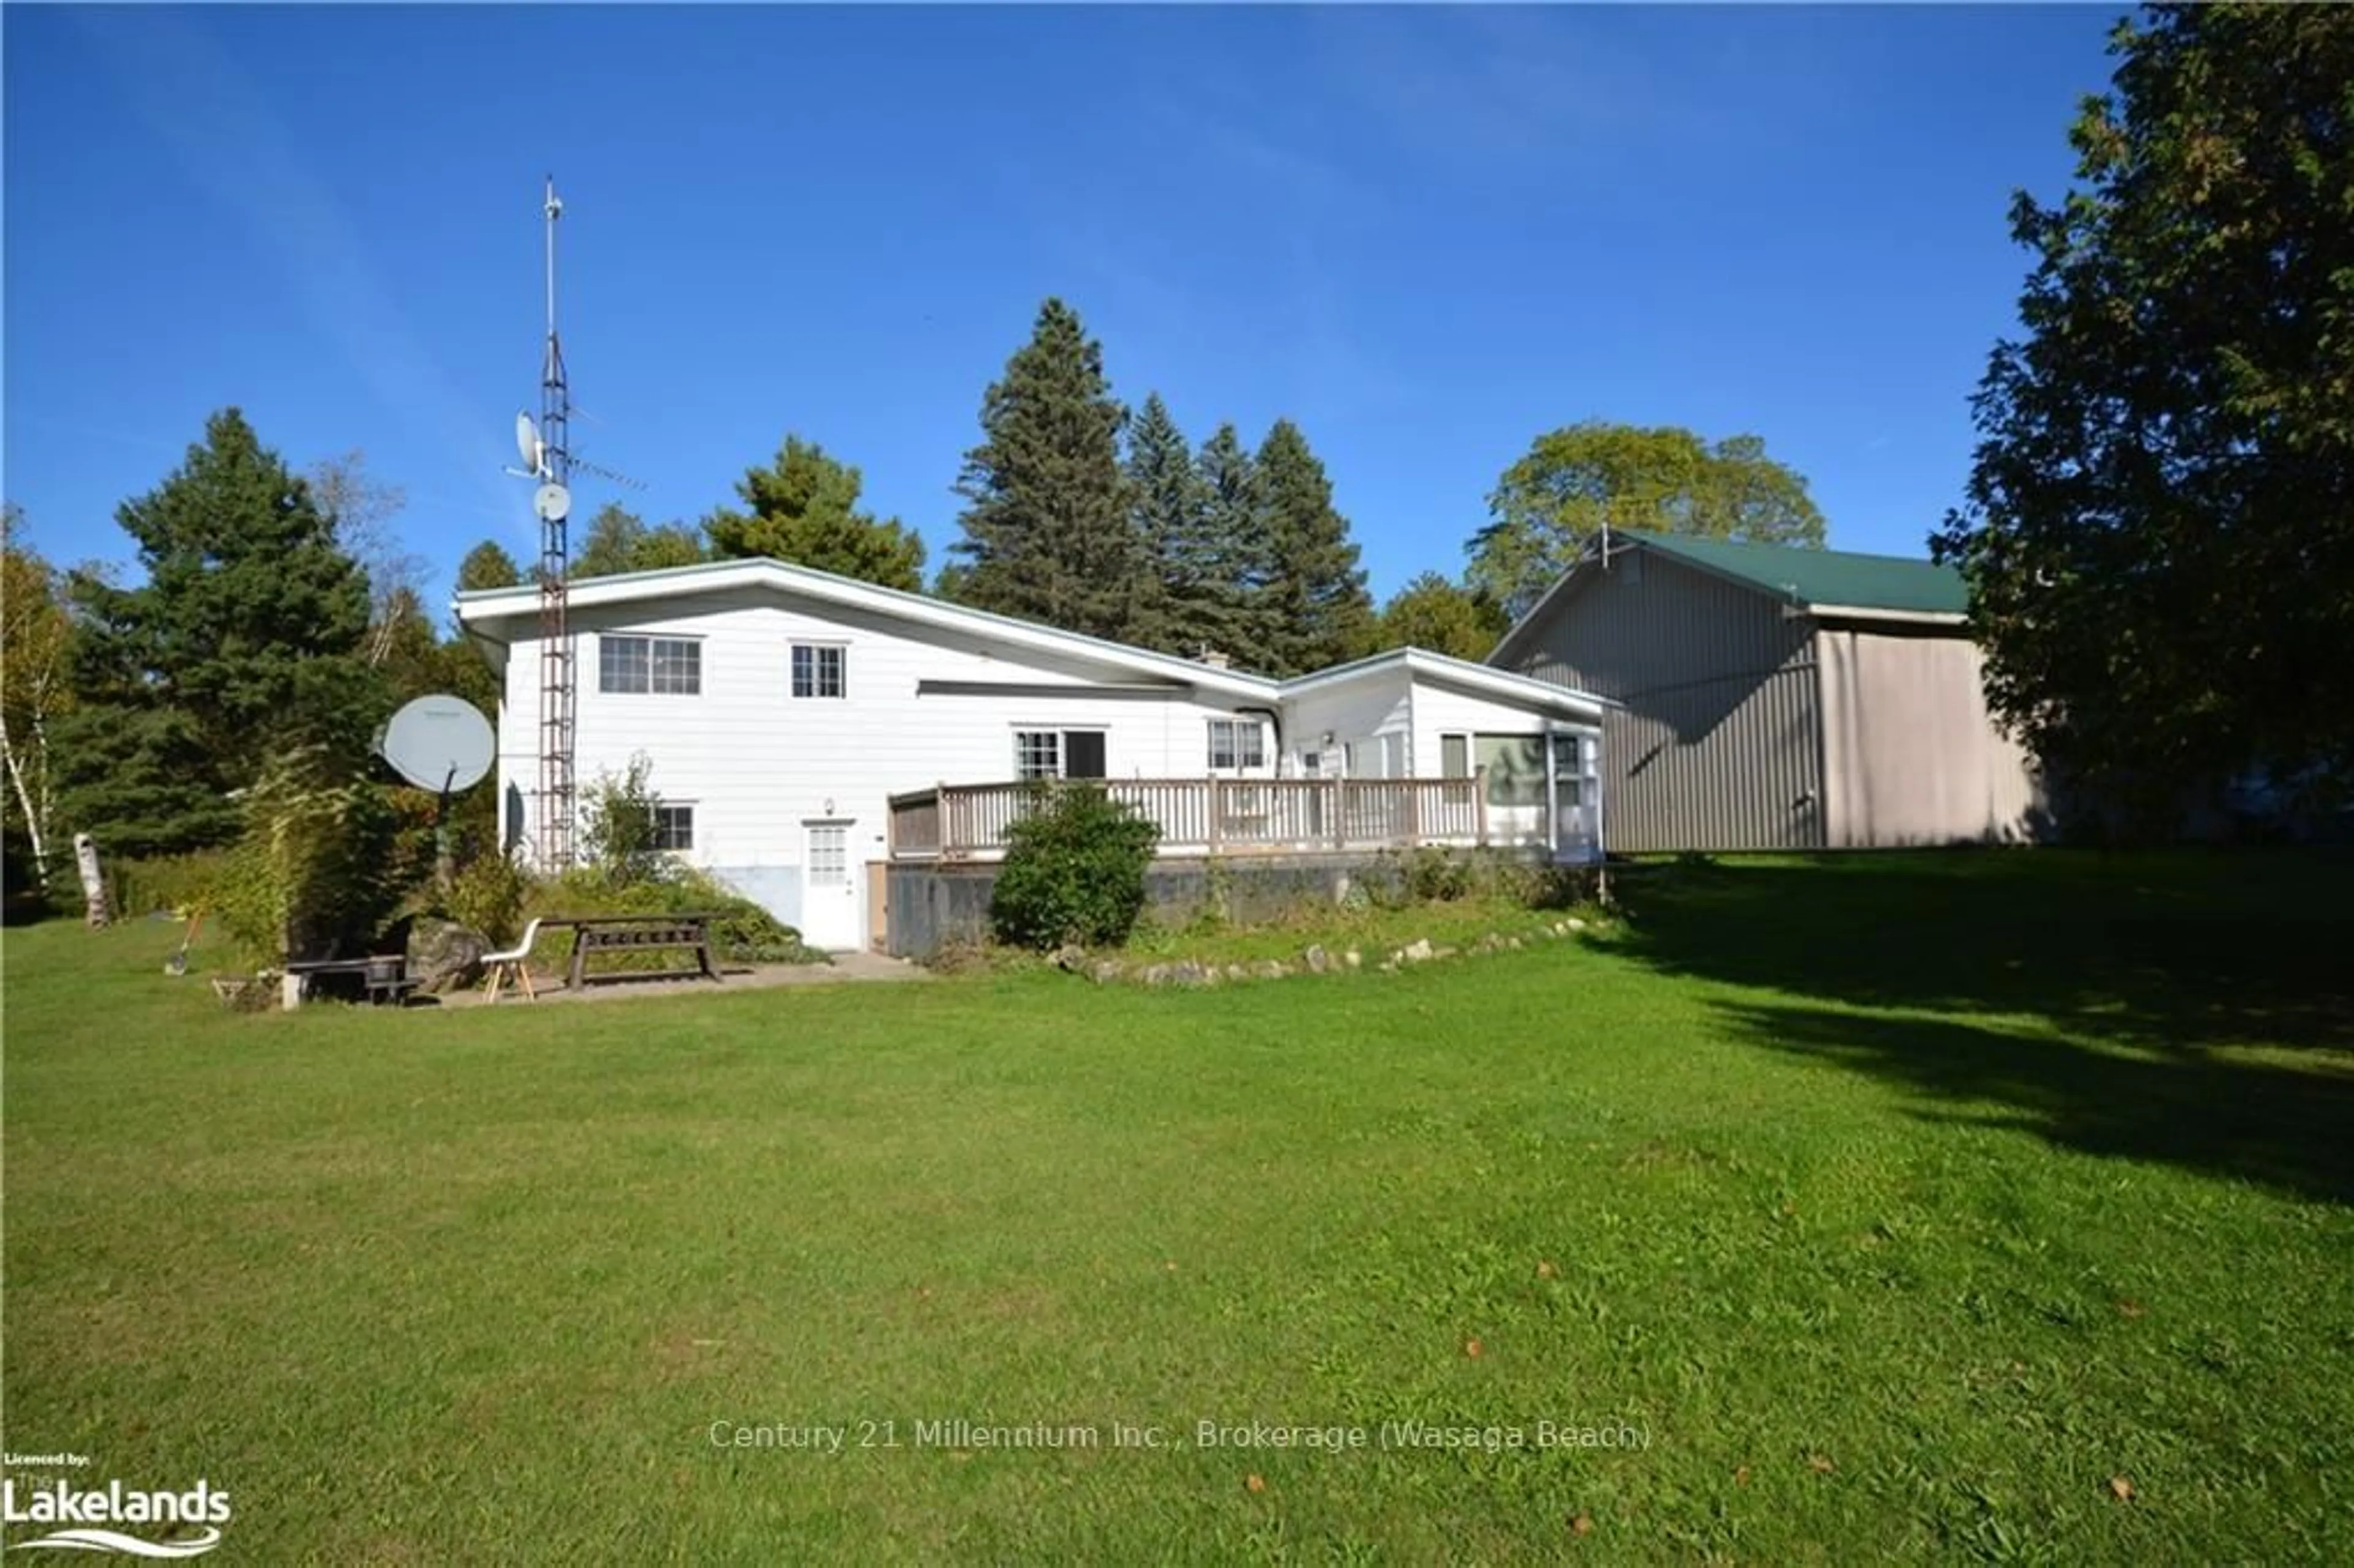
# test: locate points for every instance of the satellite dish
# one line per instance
(553, 502)
(527, 444)
(440, 743)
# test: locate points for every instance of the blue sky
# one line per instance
(1424, 235)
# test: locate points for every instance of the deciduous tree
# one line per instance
(2159, 530)
(1575, 479)
(34, 639)
(1444, 617)
(488, 566)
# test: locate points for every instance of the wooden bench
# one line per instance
(594, 934)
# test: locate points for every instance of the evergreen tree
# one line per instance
(1047, 525)
(488, 566)
(1170, 524)
(618, 540)
(245, 636)
(804, 509)
(1234, 561)
(1313, 604)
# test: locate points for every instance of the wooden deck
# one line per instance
(1209, 816)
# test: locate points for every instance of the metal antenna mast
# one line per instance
(556, 689)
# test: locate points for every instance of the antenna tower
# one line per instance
(556, 688)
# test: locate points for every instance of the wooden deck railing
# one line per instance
(1211, 816)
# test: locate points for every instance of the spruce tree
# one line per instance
(1047, 525)
(804, 508)
(1313, 604)
(488, 566)
(1234, 564)
(245, 636)
(1170, 517)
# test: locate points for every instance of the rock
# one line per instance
(1513, 943)
(1574, 923)
(1316, 959)
(1442, 952)
(1155, 974)
(444, 956)
(1387, 966)
(1236, 972)
(1270, 969)
(1105, 971)
(1070, 958)
(1188, 973)
(1353, 957)
(1417, 951)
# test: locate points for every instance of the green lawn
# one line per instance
(1899, 1205)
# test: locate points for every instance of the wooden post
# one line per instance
(1480, 803)
(1340, 815)
(1218, 811)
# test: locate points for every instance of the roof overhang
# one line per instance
(1953, 619)
(501, 615)
(1480, 680)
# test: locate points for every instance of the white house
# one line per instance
(805, 728)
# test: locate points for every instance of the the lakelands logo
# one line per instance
(89, 1513)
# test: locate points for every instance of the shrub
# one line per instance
(314, 870)
(620, 826)
(1074, 870)
(743, 933)
(489, 894)
(177, 885)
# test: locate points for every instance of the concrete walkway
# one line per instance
(847, 967)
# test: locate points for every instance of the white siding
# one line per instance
(1373, 709)
(759, 764)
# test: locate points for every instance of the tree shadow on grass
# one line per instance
(2286, 1126)
(2147, 974)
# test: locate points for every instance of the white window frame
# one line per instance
(1461, 738)
(665, 829)
(1031, 760)
(1239, 759)
(816, 651)
(1061, 734)
(682, 653)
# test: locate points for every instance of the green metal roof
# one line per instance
(1823, 577)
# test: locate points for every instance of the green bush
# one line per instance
(488, 894)
(1074, 870)
(744, 932)
(620, 826)
(315, 869)
(176, 885)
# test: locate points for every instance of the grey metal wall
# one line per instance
(1719, 746)
(1911, 755)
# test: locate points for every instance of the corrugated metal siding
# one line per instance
(1720, 744)
(1911, 755)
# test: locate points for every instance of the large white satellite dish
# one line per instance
(534, 460)
(440, 743)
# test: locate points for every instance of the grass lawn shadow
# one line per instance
(2196, 1008)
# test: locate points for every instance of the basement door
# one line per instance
(831, 911)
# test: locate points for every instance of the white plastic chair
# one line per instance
(514, 963)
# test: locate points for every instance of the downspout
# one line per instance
(1275, 722)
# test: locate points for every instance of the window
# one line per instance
(818, 669)
(1059, 754)
(1516, 767)
(673, 827)
(828, 861)
(1455, 756)
(662, 666)
(1037, 754)
(1237, 743)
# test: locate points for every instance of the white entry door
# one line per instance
(829, 887)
